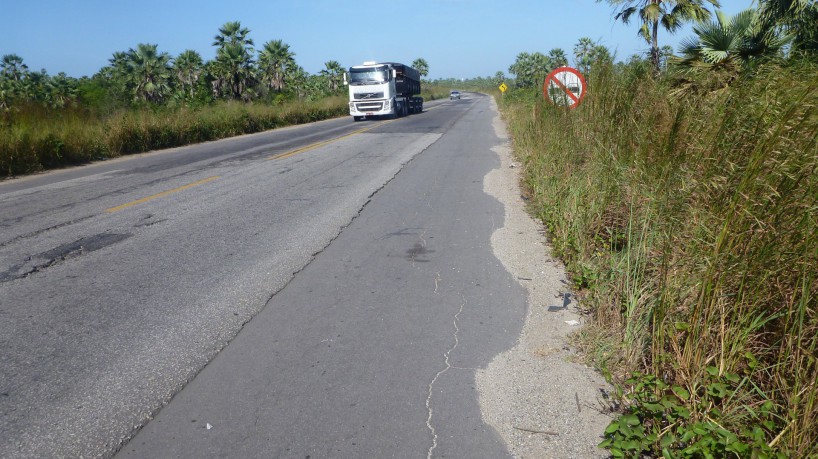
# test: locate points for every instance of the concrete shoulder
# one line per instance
(541, 402)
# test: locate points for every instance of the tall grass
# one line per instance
(691, 224)
(33, 139)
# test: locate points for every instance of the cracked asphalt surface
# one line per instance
(371, 350)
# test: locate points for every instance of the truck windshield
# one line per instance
(367, 76)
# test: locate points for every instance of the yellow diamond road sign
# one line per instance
(503, 87)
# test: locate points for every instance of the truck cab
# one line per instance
(371, 90)
(383, 90)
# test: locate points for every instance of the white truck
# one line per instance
(383, 89)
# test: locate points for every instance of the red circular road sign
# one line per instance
(564, 86)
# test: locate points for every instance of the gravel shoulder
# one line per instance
(541, 402)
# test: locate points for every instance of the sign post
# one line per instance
(564, 86)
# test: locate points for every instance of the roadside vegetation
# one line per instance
(39, 139)
(145, 99)
(683, 196)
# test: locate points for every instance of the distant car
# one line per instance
(454, 95)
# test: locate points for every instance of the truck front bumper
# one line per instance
(371, 107)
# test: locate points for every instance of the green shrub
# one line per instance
(659, 419)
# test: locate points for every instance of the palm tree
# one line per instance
(12, 73)
(530, 69)
(297, 77)
(274, 60)
(119, 64)
(13, 68)
(233, 63)
(188, 68)
(115, 76)
(558, 58)
(233, 71)
(232, 33)
(334, 73)
(148, 72)
(584, 53)
(731, 40)
(519, 68)
(671, 14)
(602, 55)
(62, 90)
(115, 79)
(421, 66)
(797, 17)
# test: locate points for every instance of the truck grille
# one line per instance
(369, 95)
(369, 106)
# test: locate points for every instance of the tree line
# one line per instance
(144, 75)
(727, 44)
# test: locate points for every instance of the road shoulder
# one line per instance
(542, 403)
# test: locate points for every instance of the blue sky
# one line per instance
(458, 38)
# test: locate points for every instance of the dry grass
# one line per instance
(33, 139)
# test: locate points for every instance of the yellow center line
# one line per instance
(159, 195)
(325, 142)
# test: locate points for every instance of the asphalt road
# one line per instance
(348, 265)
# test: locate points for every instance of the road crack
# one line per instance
(447, 367)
